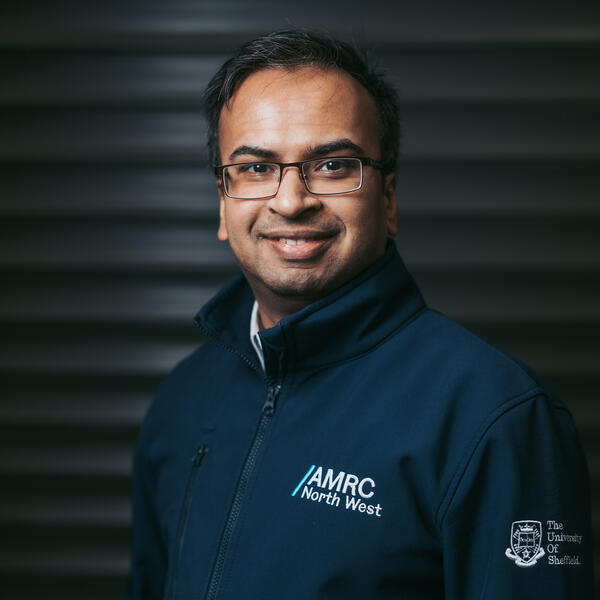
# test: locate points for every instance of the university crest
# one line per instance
(525, 543)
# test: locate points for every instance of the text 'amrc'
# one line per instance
(344, 490)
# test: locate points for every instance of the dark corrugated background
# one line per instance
(108, 221)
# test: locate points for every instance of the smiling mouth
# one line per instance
(301, 245)
(292, 241)
(298, 236)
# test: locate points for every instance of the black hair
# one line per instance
(294, 48)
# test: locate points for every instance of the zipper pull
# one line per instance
(200, 454)
(273, 394)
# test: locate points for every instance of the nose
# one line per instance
(293, 198)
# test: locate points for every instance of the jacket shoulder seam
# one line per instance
(488, 423)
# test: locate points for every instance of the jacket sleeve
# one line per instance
(148, 553)
(516, 519)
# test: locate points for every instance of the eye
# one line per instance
(256, 168)
(334, 167)
(331, 165)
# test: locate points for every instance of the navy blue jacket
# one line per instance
(386, 453)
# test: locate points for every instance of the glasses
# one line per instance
(323, 176)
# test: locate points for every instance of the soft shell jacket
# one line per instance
(386, 453)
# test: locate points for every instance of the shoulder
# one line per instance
(458, 359)
(461, 384)
(482, 402)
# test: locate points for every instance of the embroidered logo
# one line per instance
(338, 489)
(525, 543)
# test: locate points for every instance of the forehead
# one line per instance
(288, 111)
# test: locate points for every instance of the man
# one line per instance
(335, 438)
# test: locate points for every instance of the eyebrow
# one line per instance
(253, 151)
(312, 151)
(333, 146)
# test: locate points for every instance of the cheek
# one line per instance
(367, 219)
(237, 217)
(240, 219)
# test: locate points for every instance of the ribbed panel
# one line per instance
(108, 217)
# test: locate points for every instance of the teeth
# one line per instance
(290, 242)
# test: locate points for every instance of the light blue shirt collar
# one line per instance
(254, 337)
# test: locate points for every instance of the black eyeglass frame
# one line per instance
(364, 160)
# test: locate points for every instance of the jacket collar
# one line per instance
(346, 323)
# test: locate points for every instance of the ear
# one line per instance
(222, 234)
(391, 204)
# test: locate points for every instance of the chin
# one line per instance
(304, 285)
(310, 290)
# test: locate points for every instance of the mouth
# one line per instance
(299, 245)
(292, 241)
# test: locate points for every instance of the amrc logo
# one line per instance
(344, 490)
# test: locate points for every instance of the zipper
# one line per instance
(268, 411)
(187, 501)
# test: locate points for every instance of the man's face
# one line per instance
(298, 244)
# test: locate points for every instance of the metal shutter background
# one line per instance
(108, 220)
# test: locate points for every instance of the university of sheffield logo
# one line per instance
(525, 543)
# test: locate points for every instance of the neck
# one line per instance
(270, 313)
(273, 307)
